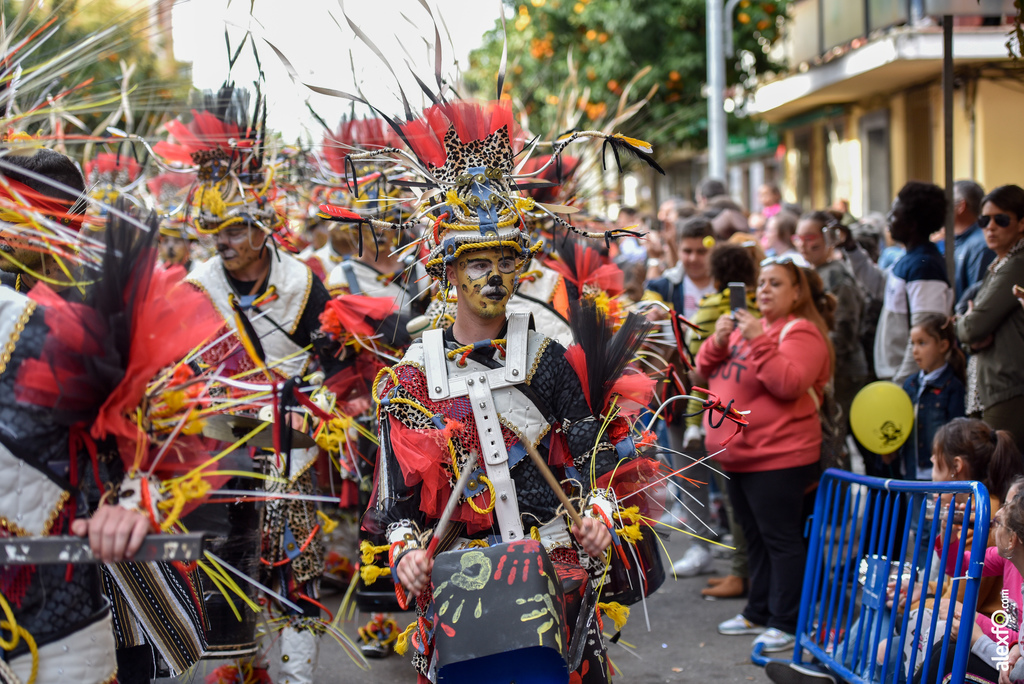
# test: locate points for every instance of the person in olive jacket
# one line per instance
(993, 327)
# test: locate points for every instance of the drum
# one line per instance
(234, 530)
(645, 574)
(500, 610)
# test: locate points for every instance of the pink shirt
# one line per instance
(997, 566)
(770, 380)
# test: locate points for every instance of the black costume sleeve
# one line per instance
(308, 330)
(557, 385)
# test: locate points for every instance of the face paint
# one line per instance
(485, 279)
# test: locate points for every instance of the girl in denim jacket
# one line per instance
(937, 390)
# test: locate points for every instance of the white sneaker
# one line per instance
(696, 561)
(775, 640)
(739, 625)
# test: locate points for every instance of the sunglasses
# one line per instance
(1002, 220)
(778, 261)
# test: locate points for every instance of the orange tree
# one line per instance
(604, 43)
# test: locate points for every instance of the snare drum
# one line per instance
(499, 610)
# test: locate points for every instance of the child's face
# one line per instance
(1003, 536)
(940, 471)
(929, 352)
(695, 257)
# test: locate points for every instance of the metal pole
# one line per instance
(717, 133)
(947, 126)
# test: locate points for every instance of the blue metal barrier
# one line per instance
(862, 553)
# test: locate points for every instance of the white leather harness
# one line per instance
(446, 380)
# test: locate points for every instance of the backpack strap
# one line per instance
(810, 390)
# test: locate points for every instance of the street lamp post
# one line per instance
(719, 30)
(717, 132)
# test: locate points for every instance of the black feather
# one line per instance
(620, 146)
(607, 353)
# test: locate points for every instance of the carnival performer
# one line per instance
(368, 263)
(479, 246)
(271, 304)
(72, 374)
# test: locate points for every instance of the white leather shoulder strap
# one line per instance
(435, 364)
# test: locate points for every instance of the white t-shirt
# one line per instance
(693, 294)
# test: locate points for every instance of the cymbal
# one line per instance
(230, 428)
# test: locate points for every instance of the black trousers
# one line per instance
(770, 507)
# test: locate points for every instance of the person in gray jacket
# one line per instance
(993, 327)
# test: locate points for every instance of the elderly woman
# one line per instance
(993, 328)
(776, 368)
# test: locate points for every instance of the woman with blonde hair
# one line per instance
(777, 368)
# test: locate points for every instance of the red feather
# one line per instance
(355, 314)
(331, 212)
(170, 319)
(109, 163)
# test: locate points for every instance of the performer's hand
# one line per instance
(115, 533)
(593, 536)
(414, 571)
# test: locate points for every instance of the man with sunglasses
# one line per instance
(917, 284)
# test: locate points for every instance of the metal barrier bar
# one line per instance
(872, 542)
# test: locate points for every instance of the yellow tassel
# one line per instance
(369, 552)
(402, 643)
(326, 524)
(534, 534)
(632, 514)
(631, 533)
(370, 573)
(617, 612)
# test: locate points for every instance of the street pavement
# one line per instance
(681, 646)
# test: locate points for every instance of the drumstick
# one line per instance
(453, 500)
(556, 487)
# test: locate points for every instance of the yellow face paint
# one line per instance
(485, 279)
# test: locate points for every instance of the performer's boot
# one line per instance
(300, 649)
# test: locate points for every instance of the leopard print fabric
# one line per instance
(495, 151)
(301, 518)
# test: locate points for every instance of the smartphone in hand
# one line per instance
(737, 296)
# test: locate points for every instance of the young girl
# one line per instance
(937, 391)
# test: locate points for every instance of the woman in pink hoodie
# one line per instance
(776, 368)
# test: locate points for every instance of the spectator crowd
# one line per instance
(794, 312)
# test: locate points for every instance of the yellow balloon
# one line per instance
(881, 417)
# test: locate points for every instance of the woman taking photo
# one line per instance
(993, 328)
(776, 368)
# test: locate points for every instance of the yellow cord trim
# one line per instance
(469, 347)
(17, 633)
(490, 505)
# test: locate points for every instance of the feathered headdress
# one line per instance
(224, 145)
(107, 175)
(363, 186)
